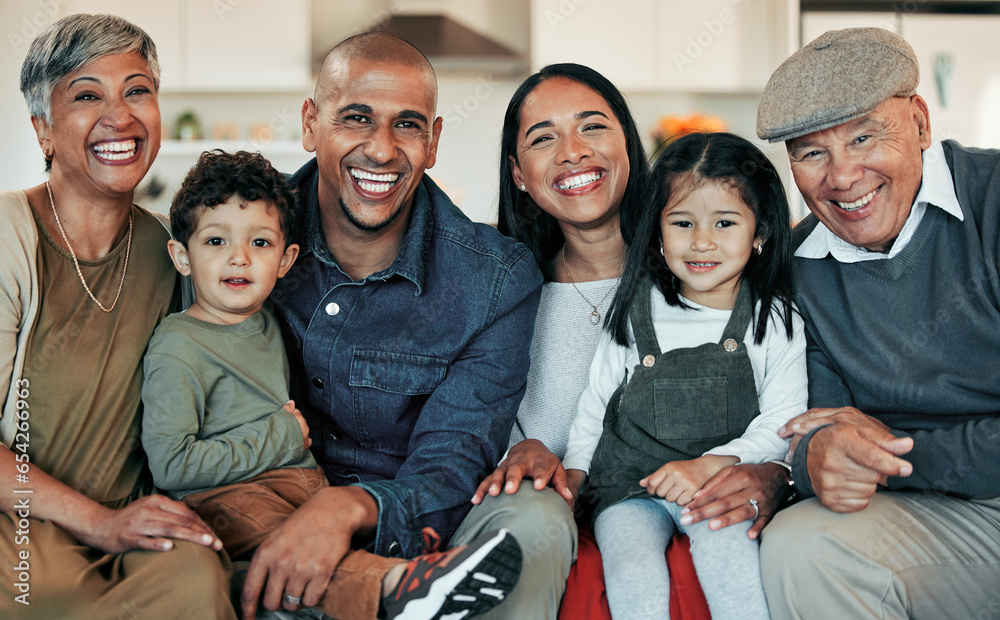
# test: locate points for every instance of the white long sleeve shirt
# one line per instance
(779, 368)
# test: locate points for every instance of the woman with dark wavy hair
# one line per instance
(573, 177)
(572, 166)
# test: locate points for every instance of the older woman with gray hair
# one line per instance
(84, 279)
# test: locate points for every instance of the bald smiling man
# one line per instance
(407, 329)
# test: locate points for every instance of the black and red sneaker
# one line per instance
(459, 583)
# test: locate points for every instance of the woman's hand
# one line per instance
(527, 459)
(725, 499)
(678, 481)
(152, 523)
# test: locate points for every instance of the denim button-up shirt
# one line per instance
(410, 378)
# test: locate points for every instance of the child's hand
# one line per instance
(678, 481)
(290, 408)
(574, 480)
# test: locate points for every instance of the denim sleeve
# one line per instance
(465, 423)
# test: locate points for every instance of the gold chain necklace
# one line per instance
(76, 262)
(595, 316)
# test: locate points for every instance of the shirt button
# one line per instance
(332, 309)
(730, 345)
(648, 361)
(394, 549)
(318, 383)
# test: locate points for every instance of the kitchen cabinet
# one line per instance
(220, 45)
(711, 46)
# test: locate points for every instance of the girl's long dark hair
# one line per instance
(519, 217)
(687, 162)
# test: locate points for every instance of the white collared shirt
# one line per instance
(936, 189)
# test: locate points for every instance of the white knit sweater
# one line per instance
(561, 351)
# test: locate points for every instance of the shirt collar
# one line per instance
(937, 189)
(409, 263)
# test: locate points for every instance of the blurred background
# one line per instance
(235, 72)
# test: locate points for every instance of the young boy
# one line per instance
(218, 428)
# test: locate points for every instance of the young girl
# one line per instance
(703, 362)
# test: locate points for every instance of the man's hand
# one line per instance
(299, 557)
(725, 499)
(527, 459)
(848, 459)
(678, 481)
(802, 424)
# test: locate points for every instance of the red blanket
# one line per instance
(586, 599)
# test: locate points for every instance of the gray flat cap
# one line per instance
(838, 77)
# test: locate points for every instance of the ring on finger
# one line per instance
(292, 600)
(756, 511)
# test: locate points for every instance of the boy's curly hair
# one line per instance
(217, 176)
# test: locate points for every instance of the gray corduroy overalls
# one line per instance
(678, 404)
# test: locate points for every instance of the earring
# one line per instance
(759, 248)
(661, 249)
(523, 188)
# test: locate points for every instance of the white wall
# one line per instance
(23, 165)
(472, 105)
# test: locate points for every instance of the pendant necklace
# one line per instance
(76, 262)
(595, 316)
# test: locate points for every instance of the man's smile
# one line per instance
(860, 202)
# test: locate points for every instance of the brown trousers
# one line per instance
(69, 581)
(244, 513)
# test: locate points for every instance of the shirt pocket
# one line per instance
(690, 408)
(389, 389)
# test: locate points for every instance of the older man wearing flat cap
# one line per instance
(896, 274)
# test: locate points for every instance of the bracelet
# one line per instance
(791, 481)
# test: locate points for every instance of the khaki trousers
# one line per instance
(540, 521)
(544, 527)
(908, 555)
(69, 581)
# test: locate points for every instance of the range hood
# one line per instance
(452, 46)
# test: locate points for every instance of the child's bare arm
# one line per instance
(678, 481)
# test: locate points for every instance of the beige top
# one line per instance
(85, 366)
(18, 298)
